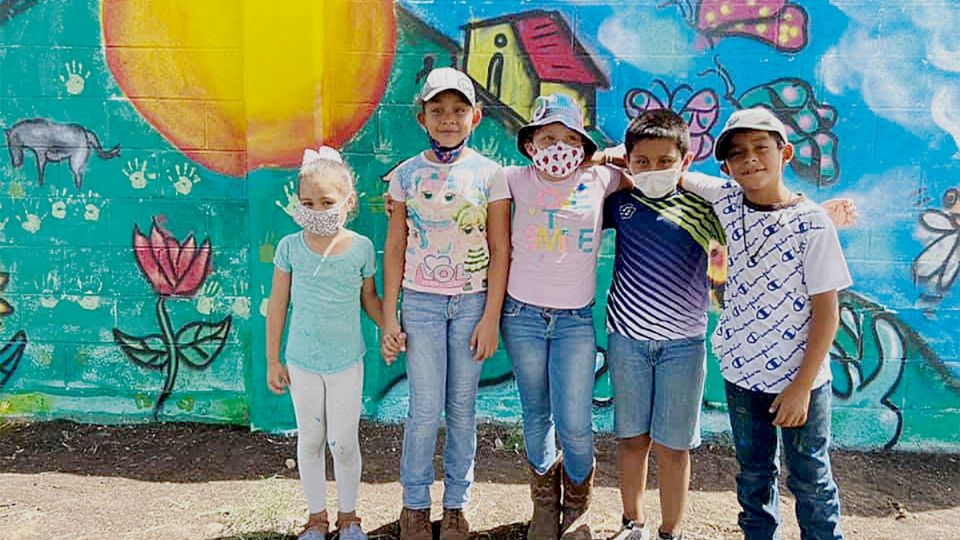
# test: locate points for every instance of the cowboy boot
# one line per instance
(576, 507)
(545, 492)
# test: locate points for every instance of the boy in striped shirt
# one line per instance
(657, 318)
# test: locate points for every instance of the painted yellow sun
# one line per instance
(241, 84)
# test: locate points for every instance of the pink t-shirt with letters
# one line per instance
(556, 233)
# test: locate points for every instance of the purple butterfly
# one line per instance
(700, 111)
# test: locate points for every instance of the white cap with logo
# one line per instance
(447, 78)
(756, 118)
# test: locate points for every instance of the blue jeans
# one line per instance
(553, 353)
(443, 378)
(658, 389)
(810, 478)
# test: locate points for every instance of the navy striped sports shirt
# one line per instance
(660, 289)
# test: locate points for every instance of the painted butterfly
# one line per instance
(809, 123)
(700, 111)
(778, 23)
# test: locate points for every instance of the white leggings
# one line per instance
(327, 407)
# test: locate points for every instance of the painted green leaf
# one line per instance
(199, 343)
(148, 351)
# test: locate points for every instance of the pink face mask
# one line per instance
(558, 160)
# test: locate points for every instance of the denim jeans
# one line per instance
(553, 353)
(443, 378)
(810, 478)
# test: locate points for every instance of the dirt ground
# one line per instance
(180, 481)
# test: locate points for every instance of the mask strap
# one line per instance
(448, 154)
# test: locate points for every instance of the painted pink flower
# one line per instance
(171, 267)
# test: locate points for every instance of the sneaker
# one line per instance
(352, 532)
(631, 530)
(668, 536)
(415, 524)
(454, 525)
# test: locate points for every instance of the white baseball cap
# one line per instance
(447, 78)
(756, 118)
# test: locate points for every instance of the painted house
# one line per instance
(517, 57)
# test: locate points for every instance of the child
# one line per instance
(657, 318)
(779, 319)
(548, 314)
(448, 246)
(327, 271)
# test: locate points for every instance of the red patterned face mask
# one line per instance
(558, 160)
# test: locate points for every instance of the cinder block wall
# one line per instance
(134, 124)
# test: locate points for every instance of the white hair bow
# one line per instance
(324, 152)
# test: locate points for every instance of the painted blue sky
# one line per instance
(889, 68)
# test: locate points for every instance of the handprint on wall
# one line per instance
(76, 78)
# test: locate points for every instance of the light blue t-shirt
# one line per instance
(324, 331)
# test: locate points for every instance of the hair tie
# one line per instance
(324, 152)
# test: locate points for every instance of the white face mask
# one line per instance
(320, 222)
(558, 160)
(657, 184)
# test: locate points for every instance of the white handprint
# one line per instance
(91, 211)
(207, 297)
(241, 304)
(58, 207)
(292, 199)
(184, 178)
(89, 298)
(76, 79)
(31, 220)
(49, 298)
(136, 173)
(264, 303)
(383, 149)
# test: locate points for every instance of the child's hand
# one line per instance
(387, 204)
(791, 406)
(615, 155)
(484, 340)
(277, 377)
(392, 340)
(392, 345)
(842, 212)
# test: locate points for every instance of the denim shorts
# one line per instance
(658, 389)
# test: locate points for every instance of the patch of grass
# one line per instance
(274, 513)
(515, 439)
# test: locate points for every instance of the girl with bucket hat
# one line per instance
(547, 318)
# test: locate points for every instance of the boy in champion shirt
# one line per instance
(779, 319)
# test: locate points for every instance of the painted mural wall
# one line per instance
(151, 146)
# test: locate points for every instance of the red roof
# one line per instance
(554, 52)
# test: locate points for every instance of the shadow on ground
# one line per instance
(513, 531)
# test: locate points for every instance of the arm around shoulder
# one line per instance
(710, 188)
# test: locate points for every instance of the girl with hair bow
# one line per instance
(327, 272)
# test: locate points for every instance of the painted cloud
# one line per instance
(904, 60)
